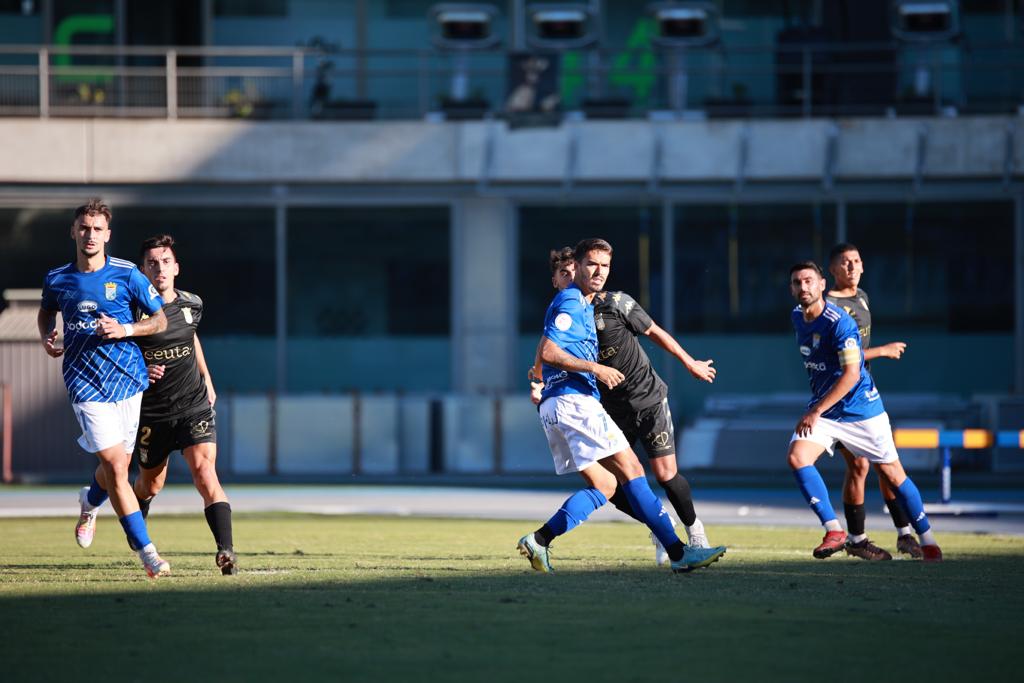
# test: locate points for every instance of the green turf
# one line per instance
(382, 599)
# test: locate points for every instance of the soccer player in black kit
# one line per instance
(639, 406)
(177, 409)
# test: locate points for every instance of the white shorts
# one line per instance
(870, 438)
(579, 432)
(108, 424)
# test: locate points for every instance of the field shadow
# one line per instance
(412, 618)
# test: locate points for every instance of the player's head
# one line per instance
(563, 267)
(845, 265)
(90, 228)
(593, 258)
(806, 283)
(159, 262)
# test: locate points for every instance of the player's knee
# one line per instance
(664, 468)
(147, 488)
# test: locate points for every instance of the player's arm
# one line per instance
(700, 369)
(891, 350)
(846, 382)
(46, 321)
(108, 328)
(205, 372)
(553, 355)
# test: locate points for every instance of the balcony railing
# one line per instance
(301, 83)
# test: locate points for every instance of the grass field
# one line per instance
(384, 599)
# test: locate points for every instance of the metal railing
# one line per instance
(297, 83)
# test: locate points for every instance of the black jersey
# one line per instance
(181, 391)
(858, 308)
(619, 320)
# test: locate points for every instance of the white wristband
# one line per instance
(128, 329)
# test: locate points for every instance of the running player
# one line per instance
(846, 267)
(844, 406)
(639, 406)
(103, 370)
(177, 409)
(581, 436)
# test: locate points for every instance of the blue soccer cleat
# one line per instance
(695, 558)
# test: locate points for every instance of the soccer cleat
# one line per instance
(538, 555)
(227, 561)
(661, 557)
(866, 550)
(154, 564)
(85, 530)
(695, 558)
(931, 553)
(833, 542)
(699, 541)
(908, 545)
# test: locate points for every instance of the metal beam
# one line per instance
(1018, 300)
(281, 297)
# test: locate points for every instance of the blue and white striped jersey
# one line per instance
(96, 369)
(828, 344)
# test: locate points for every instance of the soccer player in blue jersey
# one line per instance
(844, 407)
(103, 369)
(581, 435)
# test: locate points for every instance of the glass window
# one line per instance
(633, 231)
(732, 263)
(942, 266)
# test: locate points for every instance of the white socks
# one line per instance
(833, 525)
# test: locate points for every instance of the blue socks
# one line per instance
(135, 529)
(650, 511)
(815, 493)
(97, 495)
(909, 497)
(574, 510)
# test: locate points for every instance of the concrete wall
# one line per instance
(158, 151)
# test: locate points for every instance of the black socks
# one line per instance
(678, 491)
(854, 518)
(218, 516)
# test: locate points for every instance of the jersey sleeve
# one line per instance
(848, 342)
(144, 296)
(49, 300)
(564, 322)
(636, 318)
(196, 304)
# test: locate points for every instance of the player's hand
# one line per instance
(50, 344)
(703, 371)
(108, 328)
(892, 350)
(211, 395)
(610, 377)
(155, 372)
(806, 423)
(536, 388)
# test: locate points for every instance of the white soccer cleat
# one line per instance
(154, 564)
(661, 557)
(699, 541)
(85, 530)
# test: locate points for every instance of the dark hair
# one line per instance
(584, 247)
(841, 249)
(559, 256)
(93, 207)
(806, 265)
(157, 241)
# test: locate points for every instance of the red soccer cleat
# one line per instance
(833, 542)
(931, 553)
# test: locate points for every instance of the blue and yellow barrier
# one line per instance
(958, 438)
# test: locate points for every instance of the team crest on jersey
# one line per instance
(815, 341)
(187, 312)
(110, 290)
(850, 343)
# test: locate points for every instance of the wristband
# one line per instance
(128, 329)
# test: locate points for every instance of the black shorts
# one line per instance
(157, 440)
(653, 426)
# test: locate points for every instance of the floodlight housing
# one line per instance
(685, 24)
(460, 26)
(561, 27)
(925, 21)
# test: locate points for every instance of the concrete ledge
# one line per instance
(226, 151)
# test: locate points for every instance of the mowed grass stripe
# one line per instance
(381, 599)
